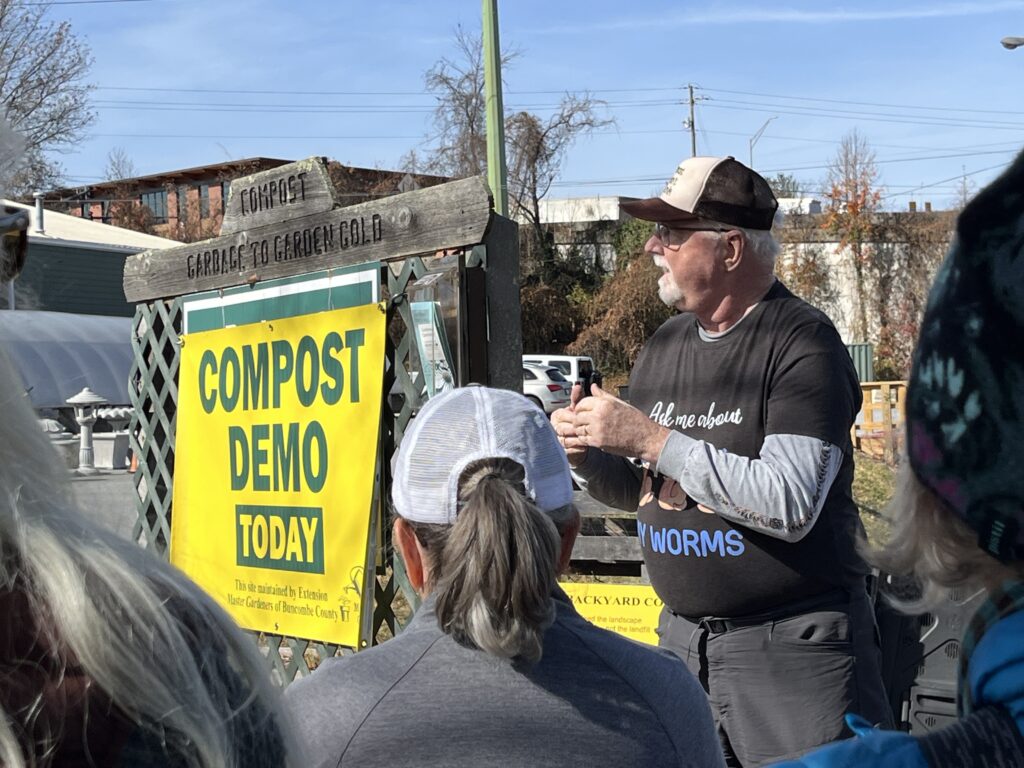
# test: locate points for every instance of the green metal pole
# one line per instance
(497, 174)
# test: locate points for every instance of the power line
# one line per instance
(777, 111)
(874, 145)
(373, 137)
(220, 136)
(273, 107)
(391, 109)
(901, 160)
(946, 181)
(660, 178)
(859, 113)
(866, 103)
(703, 133)
(247, 91)
(833, 113)
(674, 88)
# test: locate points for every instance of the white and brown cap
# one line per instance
(719, 189)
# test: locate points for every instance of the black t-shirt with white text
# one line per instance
(782, 371)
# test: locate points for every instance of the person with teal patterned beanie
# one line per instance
(959, 511)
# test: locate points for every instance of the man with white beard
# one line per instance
(735, 451)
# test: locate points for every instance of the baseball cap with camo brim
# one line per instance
(719, 189)
(464, 425)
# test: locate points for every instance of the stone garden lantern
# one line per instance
(85, 404)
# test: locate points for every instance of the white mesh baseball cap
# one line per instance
(465, 425)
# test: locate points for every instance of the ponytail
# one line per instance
(493, 570)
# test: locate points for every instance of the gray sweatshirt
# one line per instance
(422, 699)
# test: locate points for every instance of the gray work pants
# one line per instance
(780, 686)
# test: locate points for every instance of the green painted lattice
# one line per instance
(154, 393)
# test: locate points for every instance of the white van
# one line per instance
(578, 369)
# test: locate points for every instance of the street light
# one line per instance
(1012, 42)
(756, 136)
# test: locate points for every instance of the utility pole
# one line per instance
(497, 174)
(693, 126)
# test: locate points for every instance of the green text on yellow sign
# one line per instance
(275, 457)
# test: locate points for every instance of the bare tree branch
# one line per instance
(460, 135)
(42, 88)
(535, 150)
(535, 147)
(119, 165)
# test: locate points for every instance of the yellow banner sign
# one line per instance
(628, 609)
(274, 468)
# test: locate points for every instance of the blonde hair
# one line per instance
(932, 545)
(170, 660)
(493, 570)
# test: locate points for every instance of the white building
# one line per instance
(585, 226)
(74, 264)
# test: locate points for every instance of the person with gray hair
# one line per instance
(109, 657)
(735, 451)
(496, 668)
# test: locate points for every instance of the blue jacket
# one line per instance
(996, 676)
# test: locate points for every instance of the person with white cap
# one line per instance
(735, 451)
(496, 668)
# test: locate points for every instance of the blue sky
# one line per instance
(925, 81)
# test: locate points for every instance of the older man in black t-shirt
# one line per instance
(740, 415)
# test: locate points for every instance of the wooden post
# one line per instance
(504, 321)
(887, 436)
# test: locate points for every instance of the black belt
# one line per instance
(717, 626)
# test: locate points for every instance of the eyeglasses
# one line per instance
(664, 233)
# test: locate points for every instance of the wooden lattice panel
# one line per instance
(154, 398)
(154, 394)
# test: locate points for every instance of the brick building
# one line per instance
(188, 204)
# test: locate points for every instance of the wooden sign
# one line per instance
(450, 215)
(282, 193)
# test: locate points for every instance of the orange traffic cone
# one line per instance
(134, 467)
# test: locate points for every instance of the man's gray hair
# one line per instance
(763, 246)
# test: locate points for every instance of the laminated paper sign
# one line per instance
(628, 609)
(274, 468)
